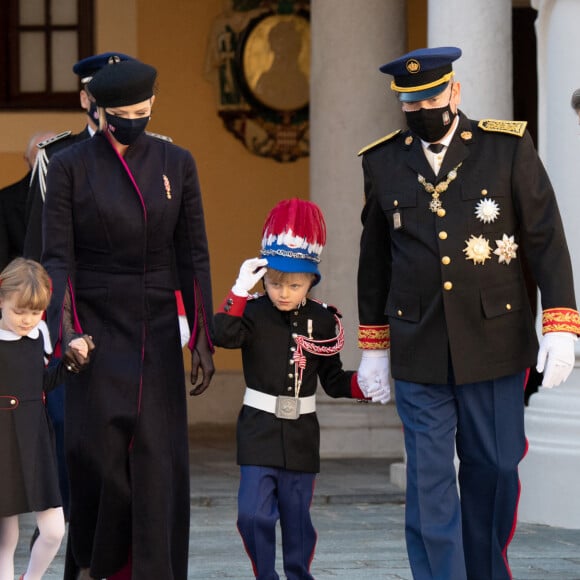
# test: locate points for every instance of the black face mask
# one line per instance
(430, 124)
(126, 131)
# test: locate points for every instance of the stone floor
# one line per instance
(358, 514)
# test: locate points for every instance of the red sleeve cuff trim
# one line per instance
(561, 320)
(374, 337)
(355, 391)
(233, 305)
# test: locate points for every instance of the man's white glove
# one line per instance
(373, 371)
(556, 357)
(250, 272)
(379, 393)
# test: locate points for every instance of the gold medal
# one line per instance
(435, 204)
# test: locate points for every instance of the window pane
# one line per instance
(32, 59)
(63, 12)
(64, 51)
(32, 12)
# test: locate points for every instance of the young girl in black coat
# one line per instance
(29, 481)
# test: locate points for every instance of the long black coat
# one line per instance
(483, 324)
(126, 425)
(265, 335)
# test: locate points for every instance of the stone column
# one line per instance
(351, 105)
(551, 470)
(482, 29)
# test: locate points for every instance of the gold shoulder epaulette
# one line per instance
(378, 142)
(158, 136)
(53, 139)
(510, 127)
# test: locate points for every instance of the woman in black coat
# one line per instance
(123, 215)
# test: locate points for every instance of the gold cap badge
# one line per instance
(413, 66)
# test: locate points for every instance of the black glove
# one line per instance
(73, 361)
(201, 356)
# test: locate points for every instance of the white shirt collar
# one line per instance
(40, 328)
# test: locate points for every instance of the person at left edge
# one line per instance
(13, 206)
(84, 69)
(29, 477)
(120, 208)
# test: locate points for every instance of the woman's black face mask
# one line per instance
(126, 131)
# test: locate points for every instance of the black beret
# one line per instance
(87, 67)
(123, 83)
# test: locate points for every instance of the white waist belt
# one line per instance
(267, 403)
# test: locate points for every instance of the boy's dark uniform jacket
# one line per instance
(442, 307)
(265, 335)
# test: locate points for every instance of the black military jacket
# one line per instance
(265, 335)
(37, 190)
(422, 274)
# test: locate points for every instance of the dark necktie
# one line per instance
(436, 147)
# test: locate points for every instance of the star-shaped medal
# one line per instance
(506, 249)
(487, 210)
(477, 249)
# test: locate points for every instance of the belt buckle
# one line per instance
(287, 407)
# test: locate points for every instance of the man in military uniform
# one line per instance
(84, 69)
(13, 206)
(450, 205)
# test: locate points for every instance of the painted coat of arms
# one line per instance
(259, 59)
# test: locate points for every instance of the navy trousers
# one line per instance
(465, 535)
(266, 495)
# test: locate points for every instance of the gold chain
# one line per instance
(435, 190)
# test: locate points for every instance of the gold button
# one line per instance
(399, 313)
(442, 235)
(290, 376)
(395, 203)
(441, 212)
(446, 260)
(484, 192)
(508, 306)
(448, 285)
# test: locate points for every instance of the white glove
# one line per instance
(250, 272)
(379, 393)
(373, 371)
(556, 357)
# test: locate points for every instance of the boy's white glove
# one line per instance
(250, 273)
(379, 393)
(373, 371)
(556, 357)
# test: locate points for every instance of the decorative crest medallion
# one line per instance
(259, 58)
